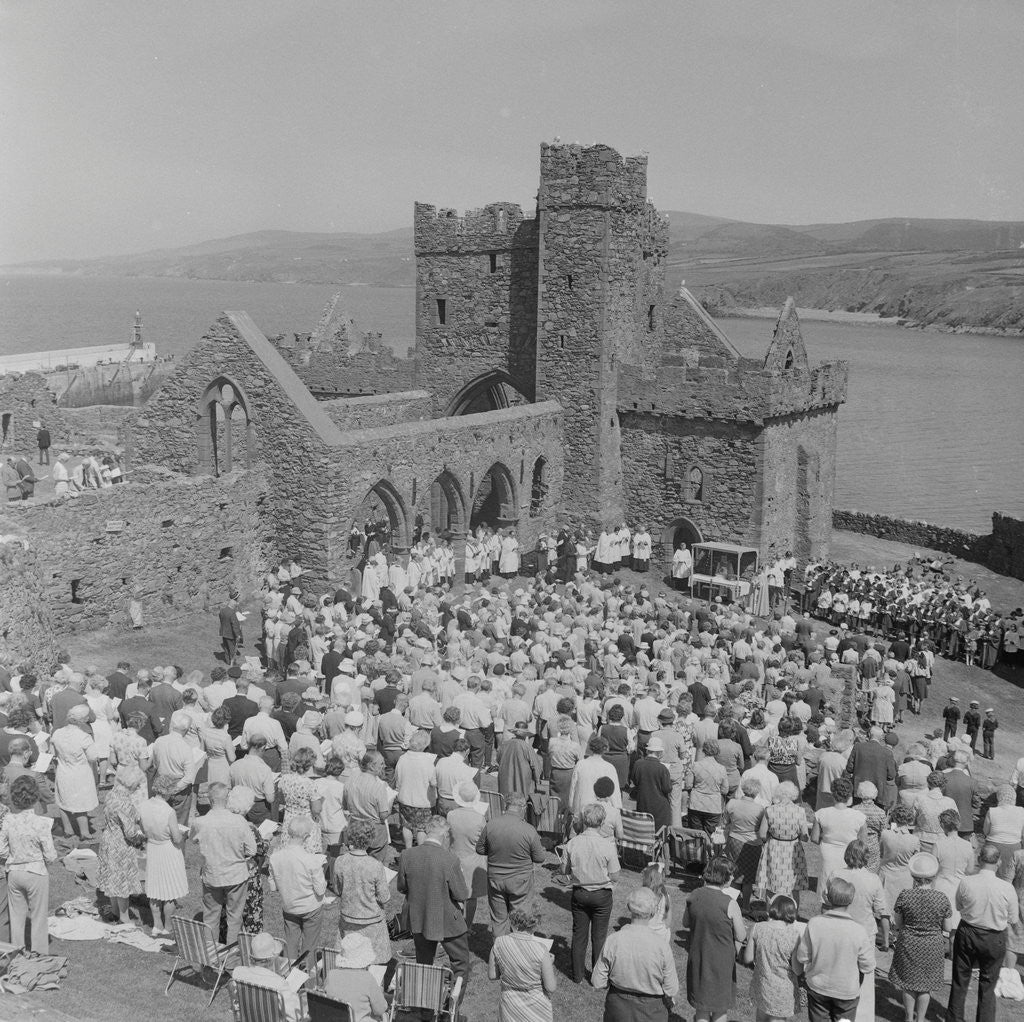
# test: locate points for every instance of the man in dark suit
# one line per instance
(872, 761)
(330, 663)
(512, 846)
(65, 698)
(431, 879)
(240, 707)
(166, 698)
(230, 629)
(118, 681)
(139, 703)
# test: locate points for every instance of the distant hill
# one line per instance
(958, 274)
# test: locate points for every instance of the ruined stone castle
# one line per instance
(553, 382)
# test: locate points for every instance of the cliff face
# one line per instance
(982, 296)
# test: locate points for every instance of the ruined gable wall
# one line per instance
(295, 459)
(28, 631)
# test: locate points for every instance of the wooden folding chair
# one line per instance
(198, 949)
(322, 1008)
(431, 988)
(640, 835)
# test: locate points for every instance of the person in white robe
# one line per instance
(584, 548)
(605, 554)
(398, 579)
(682, 567)
(470, 560)
(508, 562)
(642, 547)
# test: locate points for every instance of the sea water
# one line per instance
(933, 426)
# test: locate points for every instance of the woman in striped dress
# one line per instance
(526, 970)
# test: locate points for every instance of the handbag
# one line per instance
(1009, 986)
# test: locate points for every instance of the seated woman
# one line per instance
(351, 982)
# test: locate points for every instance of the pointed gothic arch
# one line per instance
(447, 506)
(490, 391)
(494, 502)
(225, 432)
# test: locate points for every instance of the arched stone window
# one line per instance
(788, 364)
(494, 501)
(225, 433)
(695, 485)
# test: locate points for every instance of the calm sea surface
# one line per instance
(933, 427)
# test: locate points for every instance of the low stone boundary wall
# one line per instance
(1002, 550)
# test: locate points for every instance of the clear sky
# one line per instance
(129, 125)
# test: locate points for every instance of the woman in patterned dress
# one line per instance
(118, 874)
(769, 948)
(526, 970)
(783, 865)
(867, 792)
(923, 919)
(129, 749)
(166, 881)
(301, 798)
(240, 801)
(361, 883)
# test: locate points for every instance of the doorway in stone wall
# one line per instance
(494, 503)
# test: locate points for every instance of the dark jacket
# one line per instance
(230, 628)
(872, 761)
(138, 704)
(241, 709)
(431, 879)
(652, 786)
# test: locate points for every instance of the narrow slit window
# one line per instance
(650, 318)
(442, 311)
(493, 260)
(568, 281)
(76, 591)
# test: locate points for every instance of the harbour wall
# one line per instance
(127, 383)
(1002, 549)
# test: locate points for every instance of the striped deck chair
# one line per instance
(324, 959)
(245, 947)
(251, 1002)
(198, 950)
(494, 802)
(640, 835)
(551, 824)
(326, 1009)
(432, 988)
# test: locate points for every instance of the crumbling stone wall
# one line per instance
(476, 298)
(797, 485)
(330, 370)
(24, 400)
(1002, 550)
(176, 545)
(27, 628)
(379, 409)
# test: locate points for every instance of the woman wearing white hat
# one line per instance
(467, 821)
(265, 952)
(351, 982)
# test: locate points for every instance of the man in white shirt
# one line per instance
(174, 757)
(476, 721)
(267, 727)
(450, 772)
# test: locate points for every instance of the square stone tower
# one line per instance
(600, 278)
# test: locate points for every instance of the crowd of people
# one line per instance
(349, 757)
(72, 474)
(920, 604)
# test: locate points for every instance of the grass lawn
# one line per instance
(114, 983)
